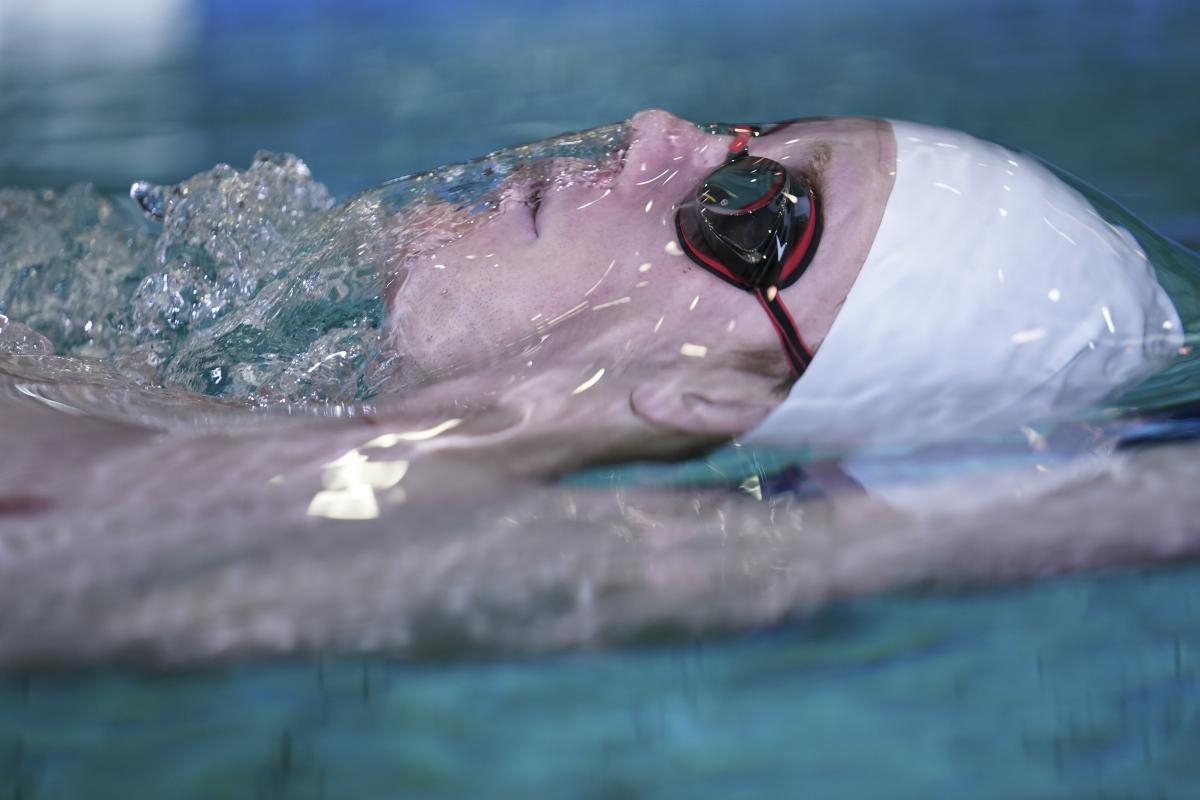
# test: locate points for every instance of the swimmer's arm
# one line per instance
(207, 559)
(797, 557)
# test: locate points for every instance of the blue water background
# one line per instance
(1081, 687)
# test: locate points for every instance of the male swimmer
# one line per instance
(846, 285)
(838, 284)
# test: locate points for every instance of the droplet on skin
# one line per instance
(611, 303)
(1108, 320)
(590, 382)
(1025, 337)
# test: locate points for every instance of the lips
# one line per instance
(533, 202)
(533, 187)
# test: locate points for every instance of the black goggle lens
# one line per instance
(741, 205)
(741, 186)
(747, 222)
(755, 225)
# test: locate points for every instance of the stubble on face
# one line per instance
(461, 280)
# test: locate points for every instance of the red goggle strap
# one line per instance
(797, 352)
(741, 141)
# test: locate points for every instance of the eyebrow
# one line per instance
(818, 153)
(818, 161)
(813, 168)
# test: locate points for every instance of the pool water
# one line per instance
(909, 698)
(1078, 687)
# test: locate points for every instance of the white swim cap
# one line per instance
(994, 296)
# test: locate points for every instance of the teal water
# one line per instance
(1081, 687)
(1076, 688)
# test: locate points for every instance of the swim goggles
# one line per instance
(755, 225)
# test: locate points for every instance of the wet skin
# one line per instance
(532, 304)
(501, 282)
(125, 539)
(126, 545)
(593, 276)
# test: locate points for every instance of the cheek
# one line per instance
(463, 313)
(496, 289)
(583, 231)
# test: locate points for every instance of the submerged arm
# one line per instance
(179, 549)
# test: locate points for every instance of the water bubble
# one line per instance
(149, 198)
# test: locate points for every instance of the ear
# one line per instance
(705, 408)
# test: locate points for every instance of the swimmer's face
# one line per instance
(593, 271)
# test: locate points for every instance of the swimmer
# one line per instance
(850, 286)
(843, 285)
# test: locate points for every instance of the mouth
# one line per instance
(526, 176)
(535, 188)
(533, 201)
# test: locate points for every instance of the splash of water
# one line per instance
(250, 285)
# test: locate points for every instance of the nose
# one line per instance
(663, 143)
(660, 121)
